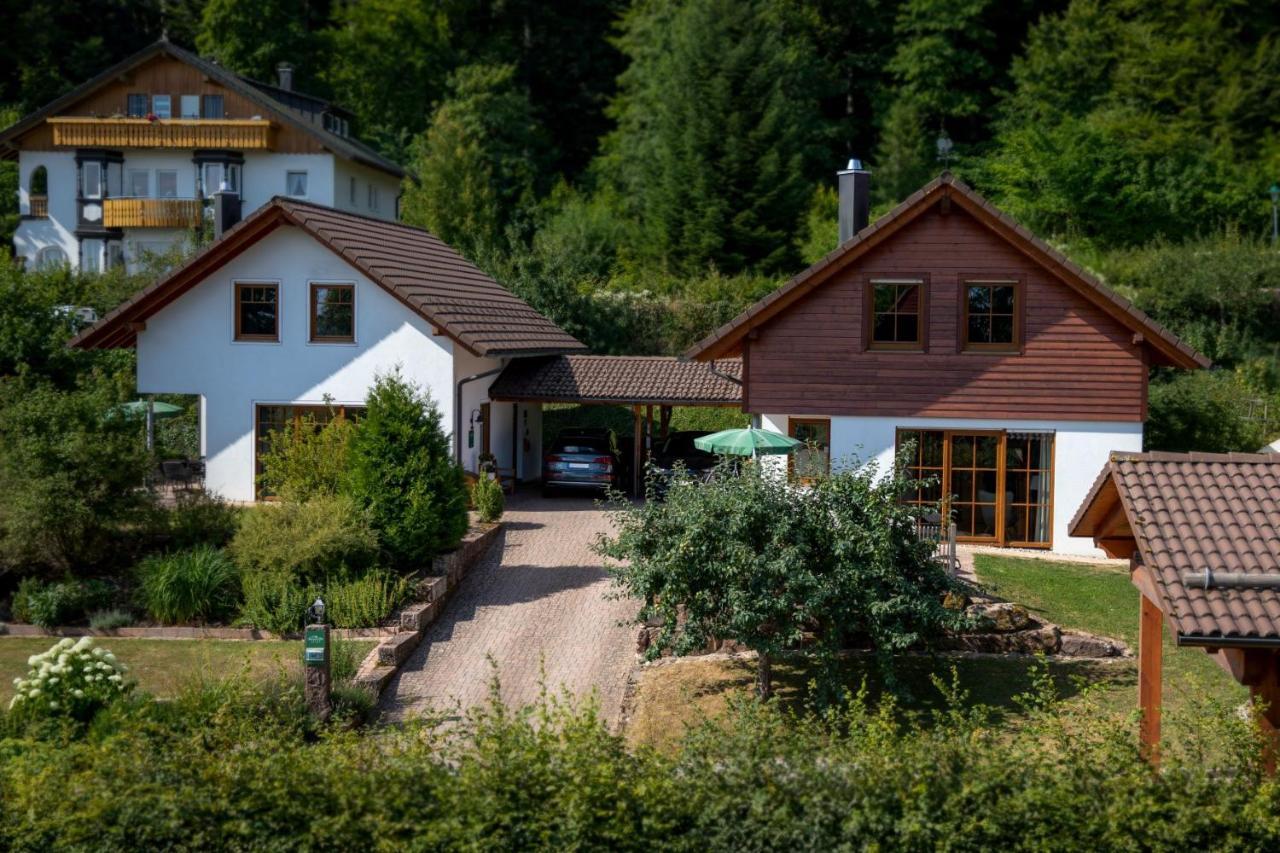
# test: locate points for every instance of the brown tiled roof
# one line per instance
(1168, 347)
(1194, 511)
(412, 264)
(620, 379)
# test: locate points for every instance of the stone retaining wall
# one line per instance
(180, 632)
(433, 590)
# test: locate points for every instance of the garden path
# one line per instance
(540, 605)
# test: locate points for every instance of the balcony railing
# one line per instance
(39, 207)
(80, 132)
(151, 212)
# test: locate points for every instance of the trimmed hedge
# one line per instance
(230, 767)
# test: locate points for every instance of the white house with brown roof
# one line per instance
(297, 309)
(128, 162)
(948, 327)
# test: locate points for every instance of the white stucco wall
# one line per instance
(388, 189)
(1080, 450)
(188, 348)
(264, 177)
(32, 235)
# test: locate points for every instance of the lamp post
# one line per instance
(1275, 214)
(315, 658)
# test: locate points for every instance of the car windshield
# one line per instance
(579, 445)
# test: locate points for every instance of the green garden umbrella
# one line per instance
(138, 408)
(747, 442)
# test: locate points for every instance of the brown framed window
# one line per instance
(1028, 515)
(333, 313)
(927, 462)
(257, 311)
(991, 318)
(814, 459)
(897, 315)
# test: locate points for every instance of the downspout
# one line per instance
(457, 410)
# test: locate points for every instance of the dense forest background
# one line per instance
(642, 170)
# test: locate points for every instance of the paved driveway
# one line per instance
(538, 602)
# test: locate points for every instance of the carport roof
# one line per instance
(621, 379)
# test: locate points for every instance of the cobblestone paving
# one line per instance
(540, 605)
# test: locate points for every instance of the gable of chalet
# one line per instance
(942, 194)
(259, 94)
(420, 270)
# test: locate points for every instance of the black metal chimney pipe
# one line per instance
(226, 211)
(855, 199)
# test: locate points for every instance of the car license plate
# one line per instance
(579, 465)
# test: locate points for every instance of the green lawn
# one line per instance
(163, 666)
(1100, 599)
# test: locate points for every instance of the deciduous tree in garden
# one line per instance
(756, 559)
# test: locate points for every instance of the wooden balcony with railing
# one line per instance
(239, 134)
(151, 212)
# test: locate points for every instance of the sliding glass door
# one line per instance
(996, 485)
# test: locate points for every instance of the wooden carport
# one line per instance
(1202, 535)
(643, 383)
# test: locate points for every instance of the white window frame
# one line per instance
(189, 106)
(162, 106)
(288, 183)
(91, 255)
(50, 257)
(160, 173)
(95, 168)
(145, 174)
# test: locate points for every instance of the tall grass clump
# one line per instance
(200, 585)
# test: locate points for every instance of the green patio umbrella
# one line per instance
(138, 408)
(747, 442)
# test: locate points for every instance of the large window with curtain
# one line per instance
(996, 485)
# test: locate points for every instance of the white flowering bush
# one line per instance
(74, 679)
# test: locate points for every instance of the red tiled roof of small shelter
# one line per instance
(1194, 511)
(621, 379)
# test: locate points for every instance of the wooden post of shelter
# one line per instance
(637, 450)
(664, 416)
(1150, 666)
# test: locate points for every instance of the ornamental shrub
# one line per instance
(313, 461)
(200, 585)
(487, 498)
(275, 601)
(197, 518)
(307, 540)
(364, 601)
(72, 679)
(65, 602)
(404, 476)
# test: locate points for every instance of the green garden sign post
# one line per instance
(315, 657)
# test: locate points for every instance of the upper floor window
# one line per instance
(295, 184)
(352, 192)
(211, 106)
(162, 106)
(136, 105)
(189, 106)
(257, 312)
(896, 315)
(990, 315)
(374, 202)
(139, 183)
(333, 318)
(91, 255)
(166, 183)
(38, 192)
(214, 175)
(91, 179)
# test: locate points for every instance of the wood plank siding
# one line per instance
(1075, 362)
(164, 75)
